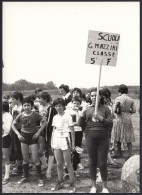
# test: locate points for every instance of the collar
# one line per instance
(67, 95)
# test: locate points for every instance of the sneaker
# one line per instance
(16, 172)
(99, 179)
(40, 183)
(23, 180)
(105, 190)
(72, 188)
(93, 190)
(76, 174)
(5, 181)
(58, 186)
(80, 166)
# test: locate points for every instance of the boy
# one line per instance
(62, 124)
(29, 138)
(75, 114)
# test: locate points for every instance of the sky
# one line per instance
(47, 41)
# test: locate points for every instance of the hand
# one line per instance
(97, 116)
(20, 137)
(85, 108)
(35, 136)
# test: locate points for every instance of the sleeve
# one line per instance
(39, 117)
(53, 121)
(7, 126)
(108, 120)
(17, 119)
(70, 121)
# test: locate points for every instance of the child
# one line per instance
(48, 111)
(15, 153)
(75, 113)
(62, 124)
(29, 137)
(6, 140)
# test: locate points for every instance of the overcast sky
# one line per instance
(47, 41)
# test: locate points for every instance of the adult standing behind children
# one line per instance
(124, 107)
(97, 139)
(65, 91)
(6, 139)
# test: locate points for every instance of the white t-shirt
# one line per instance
(62, 124)
(6, 123)
(77, 114)
(17, 108)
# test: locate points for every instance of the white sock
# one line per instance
(43, 161)
(7, 169)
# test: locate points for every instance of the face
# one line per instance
(76, 104)
(14, 101)
(59, 108)
(42, 101)
(76, 93)
(27, 107)
(93, 96)
(62, 91)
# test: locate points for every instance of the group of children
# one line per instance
(38, 124)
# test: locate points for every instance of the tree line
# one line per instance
(22, 85)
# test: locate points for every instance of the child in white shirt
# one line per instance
(62, 123)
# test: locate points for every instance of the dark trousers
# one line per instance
(15, 149)
(97, 145)
(78, 142)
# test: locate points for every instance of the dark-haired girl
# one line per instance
(97, 139)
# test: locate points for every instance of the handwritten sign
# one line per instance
(102, 44)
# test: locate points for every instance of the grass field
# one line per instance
(82, 182)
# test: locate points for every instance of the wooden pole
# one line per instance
(97, 97)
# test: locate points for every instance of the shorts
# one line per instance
(6, 141)
(60, 143)
(28, 138)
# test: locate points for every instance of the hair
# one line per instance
(76, 98)
(6, 96)
(38, 90)
(17, 95)
(65, 87)
(28, 100)
(105, 92)
(78, 90)
(45, 95)
(83, 96)
(59, 101)
(32, 97)
(123, 89)
(102, 102)
(5, 106)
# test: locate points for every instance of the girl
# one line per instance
(28, 138)
(97, 140)
(124, 107)
(48, 111)
(6, 140)
(62, 124)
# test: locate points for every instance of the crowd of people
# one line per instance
(45, 130)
